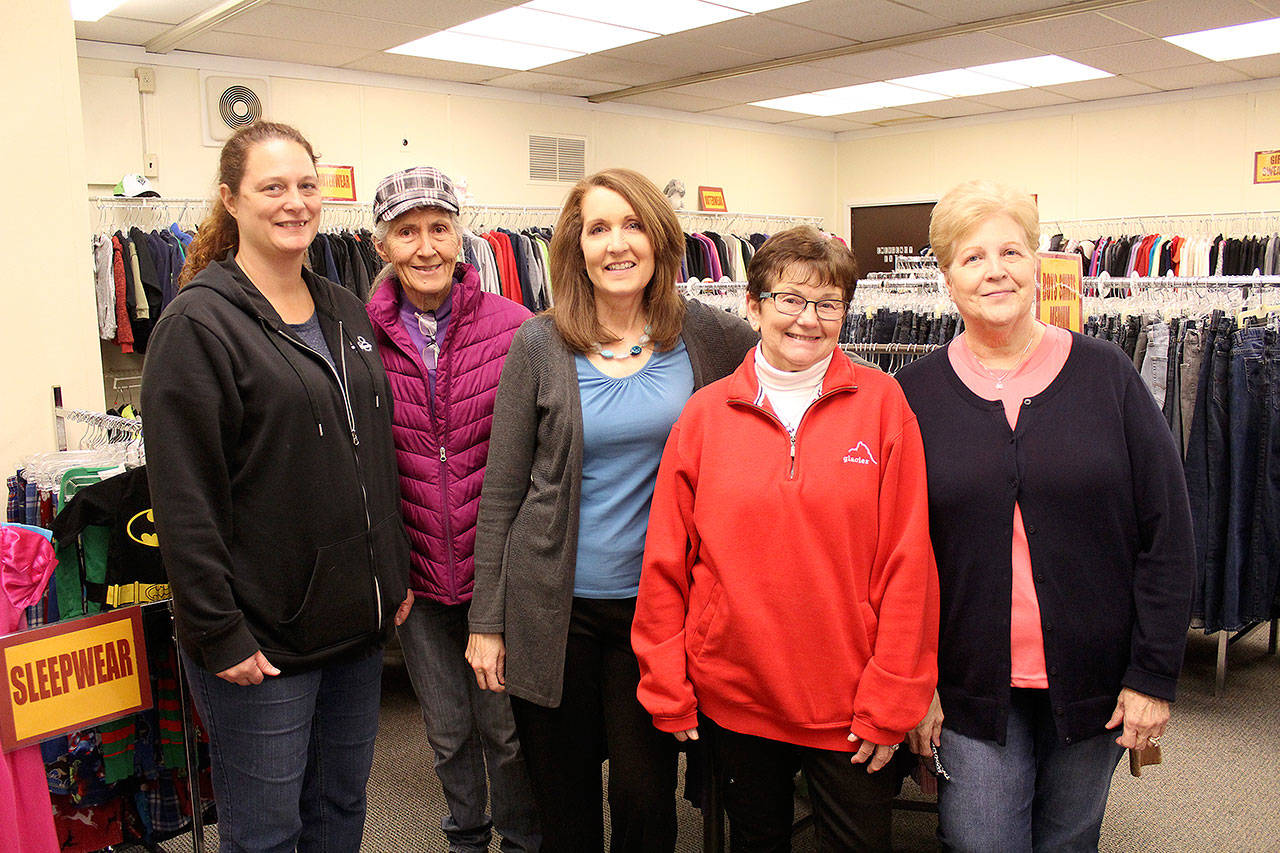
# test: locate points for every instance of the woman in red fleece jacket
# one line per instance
(788, 605)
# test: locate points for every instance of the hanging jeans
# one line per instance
(1155, 363)
(1206, 471)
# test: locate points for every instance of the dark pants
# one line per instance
(599, 716)
(756, 776)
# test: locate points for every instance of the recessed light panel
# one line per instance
(92, 10)
(477, 50)
(1243, 40)
(958, 83)
(656, 16)
(754, 6)
(547, 29)
(1048, 70)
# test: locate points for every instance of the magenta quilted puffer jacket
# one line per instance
(442, 458)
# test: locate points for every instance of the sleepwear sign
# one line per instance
(71, 675)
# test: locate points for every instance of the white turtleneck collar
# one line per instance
(790, 391)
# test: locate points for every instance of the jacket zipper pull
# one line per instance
(442, 453)
(355, 439)
(792, 473)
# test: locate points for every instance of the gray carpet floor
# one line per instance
(1217, 789)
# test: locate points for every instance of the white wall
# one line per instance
(479, 135)
(46, 297)
(1138, 157)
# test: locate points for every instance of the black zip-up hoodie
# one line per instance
(273, 476)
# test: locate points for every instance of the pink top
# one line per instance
(1027, 668)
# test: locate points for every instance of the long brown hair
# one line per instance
(219, 233)
(575, 302)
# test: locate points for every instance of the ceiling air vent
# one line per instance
(557, 158)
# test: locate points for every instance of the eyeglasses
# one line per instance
(431, 352)
(793, 304)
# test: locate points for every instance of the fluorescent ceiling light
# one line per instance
(656, 16)
(810, 104)
(957, 83)
(550, 30)
(475, 50)
(1238, 42)
(1041, 71)
(754, 6)
(92, 10)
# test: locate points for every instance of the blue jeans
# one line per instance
(1033, 793)
(467, 728)
(291, 756)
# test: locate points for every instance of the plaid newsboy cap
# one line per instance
(421, 186)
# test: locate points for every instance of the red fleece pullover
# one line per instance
(789, 589)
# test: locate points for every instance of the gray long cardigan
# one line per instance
(527, 531)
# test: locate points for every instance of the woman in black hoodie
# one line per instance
(273, 474)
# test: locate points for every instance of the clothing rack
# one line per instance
(1240, 222)
(104, 421)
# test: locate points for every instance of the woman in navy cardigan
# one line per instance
(1060, 523)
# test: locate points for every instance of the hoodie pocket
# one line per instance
(705, 621)
(339, 602)
(390, 545)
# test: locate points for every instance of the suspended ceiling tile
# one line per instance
(621, 72)
(677, 101)
(436, 15)
(965, 11)
(431, 69)
(750, 113)
(1175, 17)
(879, 116)
(971, 49)
(162, 11)
(1257, 67)
(329, 28)
(1138, 56)
(277, 49)
(1098, 90)
(682, 54)
(1207, 74)
(806, 78)
(882, 64)
(1024, 99)
(860, 20)
(739, 90)
(954, 108)
(835, 125)
(119, 30)
(1074, 32)
(533, 81)
(769, 38)
(1272, 6)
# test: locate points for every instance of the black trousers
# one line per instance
(599, 716)
(851, 807)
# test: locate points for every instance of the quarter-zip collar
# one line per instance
(744, 384)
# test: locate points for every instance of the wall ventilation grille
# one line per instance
(557, 158)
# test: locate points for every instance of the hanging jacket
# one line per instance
(273, 476)
(442, 453)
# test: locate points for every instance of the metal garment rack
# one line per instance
(190, 749)
(1237, 222)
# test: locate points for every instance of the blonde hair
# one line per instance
(967, 204)
(575, 302)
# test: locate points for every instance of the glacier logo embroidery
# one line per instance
(363, 344)
(860, 454)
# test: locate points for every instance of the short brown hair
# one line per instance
(219, 232)
(967, 204)
(574, 311)
(825, 257)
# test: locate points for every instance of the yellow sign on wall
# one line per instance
(1058, 299)
(712, 199)
(68, 676)
(337, 183)
(1266, 167)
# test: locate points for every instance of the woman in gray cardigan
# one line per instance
(589, 392)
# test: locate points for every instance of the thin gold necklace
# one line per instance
(1002, 378)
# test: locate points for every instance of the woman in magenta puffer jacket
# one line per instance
(443, 342)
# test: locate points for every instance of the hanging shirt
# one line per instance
(625, 424)
(1027, 667)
